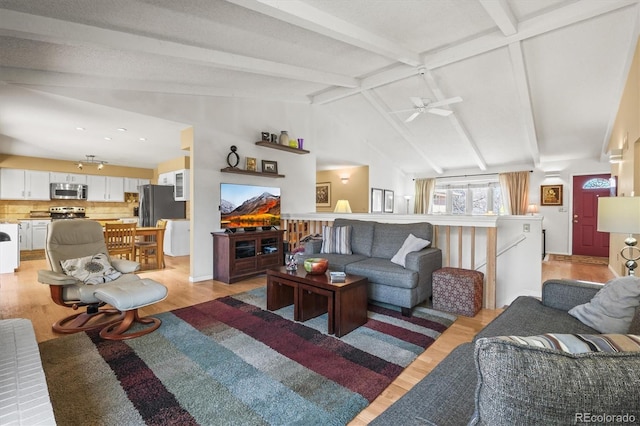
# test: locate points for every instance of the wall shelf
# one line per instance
(249, 172)
(282, 147)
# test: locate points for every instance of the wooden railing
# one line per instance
(456, 236)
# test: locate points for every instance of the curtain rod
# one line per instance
(479, 174)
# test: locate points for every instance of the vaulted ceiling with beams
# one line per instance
(436, 86)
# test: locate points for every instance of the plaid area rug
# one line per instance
(229, 361)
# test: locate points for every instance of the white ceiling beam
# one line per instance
(318, 21)
(565, 16)
(379, 105)
(502, 15)
(396, 73)
(524, 94)
(562, 17)
(455, 121)
(32, 27)
(20, 76)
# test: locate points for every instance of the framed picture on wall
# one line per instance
(551, 195)
(388, 201)
(251, 164)
(269, 166)
(323, 194)
(376, 200)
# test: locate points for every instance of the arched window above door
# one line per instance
(597, 183)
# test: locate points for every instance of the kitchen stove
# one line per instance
(60, 213)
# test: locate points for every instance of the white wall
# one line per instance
(558, 219)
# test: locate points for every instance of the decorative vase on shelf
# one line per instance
(284, 138)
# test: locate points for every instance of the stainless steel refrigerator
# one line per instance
(157, 202)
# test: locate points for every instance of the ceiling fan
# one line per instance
(425, 105)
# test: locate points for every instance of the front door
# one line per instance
(587, 241)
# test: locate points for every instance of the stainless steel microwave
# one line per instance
(68, 191)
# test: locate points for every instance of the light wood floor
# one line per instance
(21, 296)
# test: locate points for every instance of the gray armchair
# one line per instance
(69, 241)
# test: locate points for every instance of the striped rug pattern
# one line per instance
(229, 361)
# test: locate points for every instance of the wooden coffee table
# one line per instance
(313, 295)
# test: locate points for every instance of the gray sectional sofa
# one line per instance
(538, 386)
(373, 244)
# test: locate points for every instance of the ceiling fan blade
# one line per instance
(417, 102)
(438, 111)
(445, 102)
(412, 117)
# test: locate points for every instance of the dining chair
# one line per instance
(120, 239)
(149, 245)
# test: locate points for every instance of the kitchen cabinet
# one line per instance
(240, 255)
(33, 234)
(132, 184)
(19, 184)
(25, 235)
(58, 177)
(181, 184)
(105, 188)
(168, 178)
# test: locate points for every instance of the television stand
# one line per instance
(244, 254)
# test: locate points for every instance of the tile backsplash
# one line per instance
(21, 209)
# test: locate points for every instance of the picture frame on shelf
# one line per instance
(269, 166)
(388, 201)
(251, 164)
(323, 194)
(551, 195)
(377, 196)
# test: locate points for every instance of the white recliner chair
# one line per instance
(68, 244)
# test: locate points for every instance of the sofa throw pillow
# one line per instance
(522, 384)
(94, 269)
(336, 239)
(613, 307)
(412, 243)
(580, 343)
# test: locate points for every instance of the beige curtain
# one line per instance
(515, 192)
(424, 195)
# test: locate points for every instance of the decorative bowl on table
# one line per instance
(316, 265)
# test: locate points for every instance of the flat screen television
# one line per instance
(248, 206)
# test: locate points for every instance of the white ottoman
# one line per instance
(127, 297)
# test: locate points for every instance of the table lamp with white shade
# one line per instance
(621, 215)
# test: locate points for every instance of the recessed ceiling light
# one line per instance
(107, 138)
(122, 129)
(79, 128)
(143, 139)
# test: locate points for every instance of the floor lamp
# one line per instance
(622, 215)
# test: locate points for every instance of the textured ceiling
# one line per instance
(540, 80)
